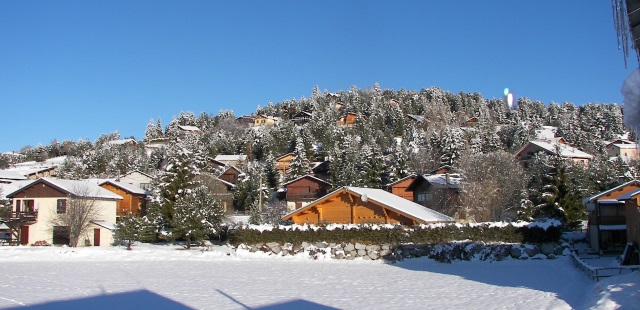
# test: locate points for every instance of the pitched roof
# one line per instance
(565, 150)
(79, 188)
(6, 189)
(443, 180)
(283, 156)
(11, 175)
(189, 128)
(134, 171)
(413, 175)
(235, 157)
(391, 201)
(126, 187)
(598, 195)
(309, 177)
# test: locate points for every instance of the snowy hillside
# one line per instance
(164, 277)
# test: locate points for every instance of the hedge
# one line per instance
(397, 235)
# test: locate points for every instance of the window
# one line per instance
(62, 206)
(422, 197)
(28, 206)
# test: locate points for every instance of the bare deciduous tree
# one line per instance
(76, 214)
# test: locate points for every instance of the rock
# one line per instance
(407, 246)
(360, 246)
(532, 251)
(332, 245)
(304, 245)
(373, 255)
(551, 256)
(366, 257)
(384, 253)
(349, 247)
(558, 250)
(385, 247)
(515, 252)
(276, 250)
(372, 247)
(320, 245)
(362, 252)
(350, 257)
(547, 248)
(339, 255)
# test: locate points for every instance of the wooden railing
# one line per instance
(611, 220)
(25, 215)
(597, 273)
(309, 196)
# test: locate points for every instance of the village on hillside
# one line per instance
(363, 157)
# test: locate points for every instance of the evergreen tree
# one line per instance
(197, 215)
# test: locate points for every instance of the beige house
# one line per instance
(137, 178)
(263, 120)
(626, 151)
(37, 203)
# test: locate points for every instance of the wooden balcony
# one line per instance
(303, 197)
(25, 216)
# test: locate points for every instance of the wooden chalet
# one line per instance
(230, 174)
(437, 191)
(347, 120)
(302, 117)
(355, 205)
(134, 199)
(632, 223)
(245, 120)
(34, 204)
(607, 225)
(471, 122)
(399, 187)
(283, 163)
(303, 190)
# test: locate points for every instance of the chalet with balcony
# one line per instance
(134, 199)
(607, 226)
(35, 204)
(303, 190)
(283, 163)
(302, 117)
(356, 205)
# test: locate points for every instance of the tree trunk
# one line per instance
(188, 242)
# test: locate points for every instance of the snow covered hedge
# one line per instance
(397, 234)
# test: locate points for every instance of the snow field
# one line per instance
(68, 278)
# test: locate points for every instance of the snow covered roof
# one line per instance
(592, 198)
(11, 175)
(308, 176)
(105, 224)
(9, 188)
(565, 150)
(388, 200)
(283, 156)
(444, 180)
(189, 128)
(623, 145)
(401, 180)
(126, 186)
(223, 158)
(121, 141)
(417, 118)
(80, 188)
(629, 195)
(399, 204)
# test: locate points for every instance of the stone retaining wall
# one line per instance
(446, 252)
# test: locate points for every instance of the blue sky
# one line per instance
(77, 69)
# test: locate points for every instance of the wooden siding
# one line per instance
(40, 190)
(284, 162)
(632, 218)
(130, 203)
(231, 175)
(400, 189)
(306, 189)
(345, 208)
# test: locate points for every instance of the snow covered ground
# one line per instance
(164, 277)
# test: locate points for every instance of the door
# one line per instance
(96, 237)
(24, 235)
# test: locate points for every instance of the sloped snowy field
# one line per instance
(163, 277)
